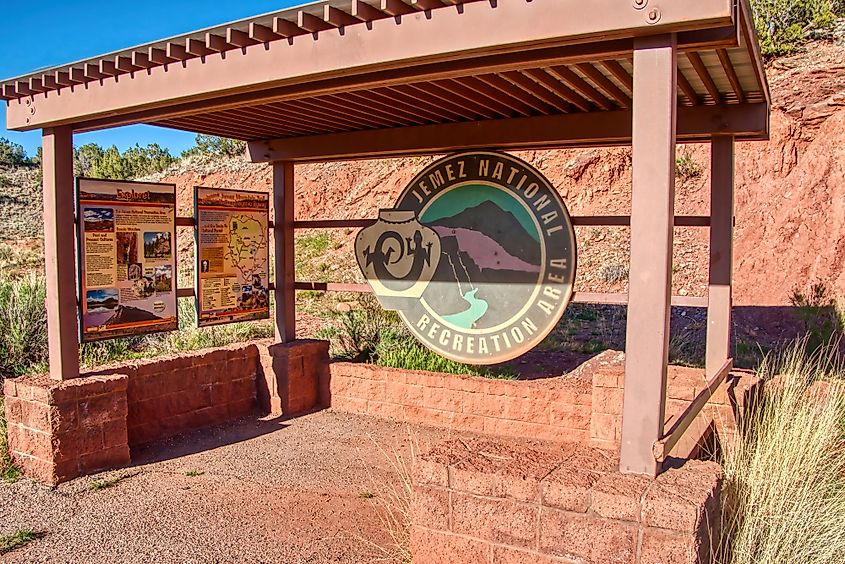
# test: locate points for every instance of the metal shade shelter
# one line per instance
(351, 79)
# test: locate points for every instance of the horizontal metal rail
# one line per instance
(186, 221)
(578, 221)
(578, 297)
(191, 292)
(682, 422)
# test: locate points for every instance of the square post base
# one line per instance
(293, 377)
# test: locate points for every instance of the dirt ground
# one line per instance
(271, 490)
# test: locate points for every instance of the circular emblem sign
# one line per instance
(478, 257)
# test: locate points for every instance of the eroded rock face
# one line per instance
(790, 192)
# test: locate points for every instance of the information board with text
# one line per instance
(232, 254)
(126, 254)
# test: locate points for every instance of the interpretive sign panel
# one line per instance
(478, 257)
(232, 255)
(127, 265)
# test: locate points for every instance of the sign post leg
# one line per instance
(284, 295)
(59, 252)
(721, 252)
(652, 217)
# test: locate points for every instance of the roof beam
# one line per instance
(730, 72)
(704, 75)
(749, 121)
(366, 12)
(311, 23)
(337, 17)
(239, 38)
(217, 43)
(396, 8)
(533, 25)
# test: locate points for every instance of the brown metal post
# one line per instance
(59, 252)
(720, 297)
(652, 215)
(284, 295)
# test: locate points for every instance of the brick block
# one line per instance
(607, 400)
(678, 498)
(605, 427)
(607, 378)
(104, 459)
(473, 476)
(668, 547)
(386, 410)
(427, 416)
(571, 416)
(98, 409)
(569, 488)
(238, 408)
(484, 404)
(430, 470)
(32, 391)
(500, 521)
(83, 440)
(589, 539)
(465, 422)
(349, 404)
(526, 409)
(508, 555)
(430, 507)
(442, 399)
(115, 433)
(439, 547)
(36, 468)
(64, 417)
(9, 389)
(32, 442)
(619, 496)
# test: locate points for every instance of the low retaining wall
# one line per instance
(496, 502)
(59, 430)
(555, 409)
(169, 395)
(583, 406)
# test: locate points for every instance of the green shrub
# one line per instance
(212, 146)
(817, 311)
(23, 324)
(783, 497)
(8, 471)
(783, 25)
(93, 161)
(399, 349)
(687, 167)
(12, 154)
(358, 331)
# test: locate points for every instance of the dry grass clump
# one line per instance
(784, 492)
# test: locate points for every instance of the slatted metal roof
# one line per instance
(718, 66)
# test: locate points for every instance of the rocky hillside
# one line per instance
(790, 212)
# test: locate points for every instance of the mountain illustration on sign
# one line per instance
(490, 258)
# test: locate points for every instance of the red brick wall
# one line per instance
(682, 386)
(556, 409)
(166, 396)
(492, 502)
(61, 430)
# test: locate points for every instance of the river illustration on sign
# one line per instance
(478, 257)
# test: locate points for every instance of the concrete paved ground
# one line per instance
(273, 490)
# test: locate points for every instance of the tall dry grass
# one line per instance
(784, 491)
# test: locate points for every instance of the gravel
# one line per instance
(269, 490)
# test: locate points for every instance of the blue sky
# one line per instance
(54, 32)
